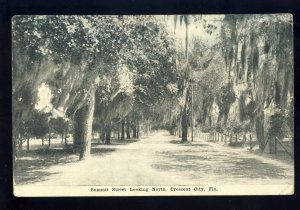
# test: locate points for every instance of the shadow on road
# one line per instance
(101, 151)
(201, 163)
(32, 166)
(116, 142)
(189, 144)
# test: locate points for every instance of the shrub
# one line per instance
(276, 123)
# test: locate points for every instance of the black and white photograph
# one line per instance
(153, 105)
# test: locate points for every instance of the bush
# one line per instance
(219, 128)
(276, 124)
(236, 127)
(207, 128)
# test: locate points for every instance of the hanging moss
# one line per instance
(250, 109)
(226, 98)
(231, 53)
(255, 61)
(277, 93)
(206, 108)
(266, 48)
(242, 108)
(243, 60)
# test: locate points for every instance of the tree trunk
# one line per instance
(20, 143)
(186, 39)
(102, 134)
(134, 131)
(43, 141)
(28, 143)
(108, 133)
(66, 133)
(250, 141)
(179, 126)
(123, 129)
(128, 128)
(119, 131)
(77, 131)
(226, 117)
(138, 130)
(86, 127)
(184, 127)
(112, 134)
(144, 127)
(49, 140)
(244, 138)
(184, 116)
(62, 138)
(259, 127)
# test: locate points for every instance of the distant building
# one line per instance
(55, 112)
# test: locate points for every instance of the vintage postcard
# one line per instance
(144, 105)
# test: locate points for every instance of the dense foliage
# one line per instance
(126, 73)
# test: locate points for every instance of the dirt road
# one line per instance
(160, 160)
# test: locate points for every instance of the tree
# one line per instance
(185, 107)
(58, 125)
(63, 40)
(22, 104)
(37, 125)
(259, 60)
(225, 98)
(192, 60)
(74, 55)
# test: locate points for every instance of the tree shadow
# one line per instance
(188, 144)
(250, 166)
(175, 142)
(224, 167)
(101, 151)
(115, 142)
(281, 156)
(124, 142)
(196, 145)
(33, 166)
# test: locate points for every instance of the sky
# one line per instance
(44, 95)
(196, 29)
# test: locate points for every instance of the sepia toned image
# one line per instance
(150, 105)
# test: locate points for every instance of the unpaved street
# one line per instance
(159, 159)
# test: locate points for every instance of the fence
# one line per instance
(230, 138)
(234, 140)
(284, 145)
